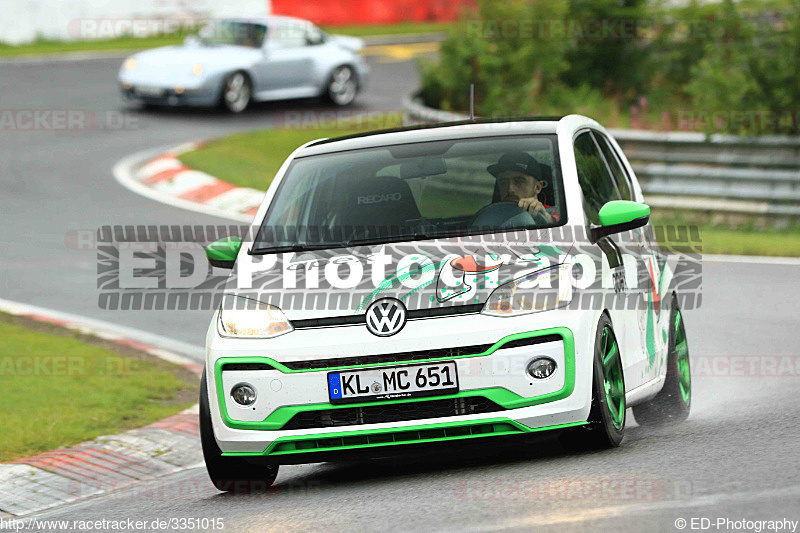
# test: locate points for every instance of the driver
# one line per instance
(518, 180)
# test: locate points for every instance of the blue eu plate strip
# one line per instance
(335, 385)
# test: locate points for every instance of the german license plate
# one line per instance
(397, 382)
(146, 90)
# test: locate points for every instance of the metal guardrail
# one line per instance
(685, 170)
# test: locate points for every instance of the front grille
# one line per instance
(402, 357)
(397, 412)
(412, 314)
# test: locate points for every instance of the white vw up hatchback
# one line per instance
(440, 286)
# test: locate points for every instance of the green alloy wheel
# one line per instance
(606, 425)
(673, 403)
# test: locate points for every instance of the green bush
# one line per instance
(510, 69)
(727, 67)
(746, 80)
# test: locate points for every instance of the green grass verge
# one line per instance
(50, 46)
(735, 235)
(60, 388)
(252, 160)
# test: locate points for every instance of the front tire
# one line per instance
(606, 424)
(230, 474)
(236, 92)
(674, 401)
(342, 86)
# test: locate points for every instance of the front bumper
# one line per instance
(496, 374)
(175, 96)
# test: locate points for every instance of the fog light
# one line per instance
(541, 368)
(243, 394)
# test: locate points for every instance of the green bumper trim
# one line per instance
(351, 440)
(501, 396)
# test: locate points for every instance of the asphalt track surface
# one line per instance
(736, 457)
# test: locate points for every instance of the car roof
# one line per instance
(433, 132)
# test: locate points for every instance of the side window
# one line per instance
(290, 36)
(620, 176)
(595, 179)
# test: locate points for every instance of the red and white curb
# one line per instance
(160, 175)
(37, 483)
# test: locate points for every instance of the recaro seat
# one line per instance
(375, 206)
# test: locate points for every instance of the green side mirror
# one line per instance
(222, 253)
(617, 216)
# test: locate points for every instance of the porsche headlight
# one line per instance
(545, 289)
(197, 69)
(245, 318)
(131, 63)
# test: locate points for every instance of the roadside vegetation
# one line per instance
(127, 43)
(724, 67)
(252, 159)
(60, 388)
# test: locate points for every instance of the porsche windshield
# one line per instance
(416, 191)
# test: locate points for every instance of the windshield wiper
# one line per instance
(327, 246)
(385, 240)
(289, 248)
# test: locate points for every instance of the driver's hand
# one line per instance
(535, 207)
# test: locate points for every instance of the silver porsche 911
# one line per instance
(235, 61)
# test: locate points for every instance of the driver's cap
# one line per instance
(516, 161)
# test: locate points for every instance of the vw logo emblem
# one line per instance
(386, 317)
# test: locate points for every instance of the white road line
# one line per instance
(107, 330)
(752, 259)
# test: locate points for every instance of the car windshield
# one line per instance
(415, 191)
(236, 33)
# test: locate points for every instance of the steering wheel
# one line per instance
(502, 215)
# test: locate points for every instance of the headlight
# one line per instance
(245, 318)
(197, 69)
(545, 289)
(131, 63)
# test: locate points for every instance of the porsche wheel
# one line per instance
(230, 474)
(236, 92)
(342, 86)
(674, 401)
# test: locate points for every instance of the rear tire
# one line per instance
(606, 424)
(673, 403)
(230, 474)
